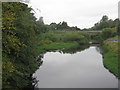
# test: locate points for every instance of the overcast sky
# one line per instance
(80, 13)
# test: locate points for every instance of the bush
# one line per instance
(66, 37)
(108, 32)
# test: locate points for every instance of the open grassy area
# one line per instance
(111, 55)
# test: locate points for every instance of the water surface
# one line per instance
(82, 69)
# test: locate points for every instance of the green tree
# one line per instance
(19, 44)
(108, 32)
(64, 25)
(104, 18)
(53, 26)
(105, 22)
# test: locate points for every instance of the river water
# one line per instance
(82, 69)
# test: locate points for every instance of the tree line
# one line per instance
(62, 26)
(105, 22)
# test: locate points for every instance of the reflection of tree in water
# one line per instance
(75, 49)
(34, 81)
(98, 49)
(39, 59)
(70, 51)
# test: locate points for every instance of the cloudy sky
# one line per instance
(80, 13)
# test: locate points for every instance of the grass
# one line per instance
(111, 56)
(111, 62)
(56, 46)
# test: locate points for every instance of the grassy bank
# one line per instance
(56, 45)
(110, 54)
(63, 40)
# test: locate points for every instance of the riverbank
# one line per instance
(56, 46)
(55, 41)
(110, 55)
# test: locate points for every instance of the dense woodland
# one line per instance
(24, 38)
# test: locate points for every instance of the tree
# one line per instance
(41, 20)
(53, 26)
(105, 22)
(19, 45)
(64, 25)
(108, 32)
(104, 18)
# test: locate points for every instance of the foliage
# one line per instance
(109, 42)
(110, 47)
(105, 22)
(40, 28)
(105, 34)
(108, 32)
(24, 37)
(21, 36)
(78, 37)
(59, 40)
(66, 37)
(62, 26)
(20, 30)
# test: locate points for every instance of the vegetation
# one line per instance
(105, 34)
(55, 40)
(118, 28)
(66, 36)
(109, 42)
(24, 38)
(110, 47)
(105, 22)
(56, 46)
(62, 26)
(19, 33)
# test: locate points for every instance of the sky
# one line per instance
(80, 13)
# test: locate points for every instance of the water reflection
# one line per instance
(74, 69)
(75, 50)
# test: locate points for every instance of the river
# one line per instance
(82, 69)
